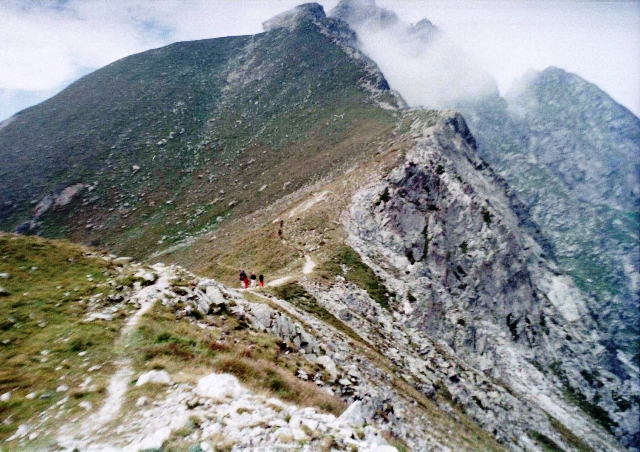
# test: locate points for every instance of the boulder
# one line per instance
(219, 386)
(214, 294)
(329, 366)
(202, 304)
(260, 316)
(352, 416)
(154, 377)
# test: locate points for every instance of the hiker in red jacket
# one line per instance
(244, 281)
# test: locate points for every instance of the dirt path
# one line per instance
(79, 437)
(308, 268)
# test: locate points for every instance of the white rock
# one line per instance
(20, 433)
(99, 316)
(31, 396)
(86, 405)
(219, 386)
(214, 295)
(298, 434)
(372, 437)
(310, 424)
(154, 440)
(329, 366)
(383, 449)
(5, 397)
(206, 447)
(142, 401)
(278, 423)
(62, 388)
(5, 275)
(352, 416)
(283, 434)
(154, 377)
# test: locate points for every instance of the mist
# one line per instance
(481, 41)
(436, 74)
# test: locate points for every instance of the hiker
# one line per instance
(253, 280)
(261, 281)
(243, 279)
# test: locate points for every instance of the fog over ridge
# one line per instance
(599, 41)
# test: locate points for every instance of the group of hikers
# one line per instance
(250, 281)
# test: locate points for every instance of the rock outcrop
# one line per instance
(442, 232)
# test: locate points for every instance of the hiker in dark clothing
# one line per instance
(253, 280)
(244, 282)
(260, 281)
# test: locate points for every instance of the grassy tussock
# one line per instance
(358, 273)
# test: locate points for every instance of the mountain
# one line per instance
(152, 147)
(570, 152)
(413, 299)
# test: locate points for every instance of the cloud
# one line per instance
(600, 41)
(432, 73)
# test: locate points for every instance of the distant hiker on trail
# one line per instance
(253, 280)
(244, 281)
(260, 281)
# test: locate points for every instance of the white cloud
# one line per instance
(600, 41)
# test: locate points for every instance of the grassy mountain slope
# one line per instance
(49, 287)
(171, 141)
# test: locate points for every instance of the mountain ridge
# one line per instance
(434, 295)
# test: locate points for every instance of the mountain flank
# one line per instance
(156, 146)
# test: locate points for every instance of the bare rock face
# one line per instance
(445, 234)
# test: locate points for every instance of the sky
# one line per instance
(45, 45)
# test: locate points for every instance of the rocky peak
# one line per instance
(289, 19)
(356, 12)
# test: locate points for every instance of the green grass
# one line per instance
(359, 274)
(296, 295)
(546, 443)
(569, 437)
(33, 355)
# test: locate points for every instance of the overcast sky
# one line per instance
(45, 45)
